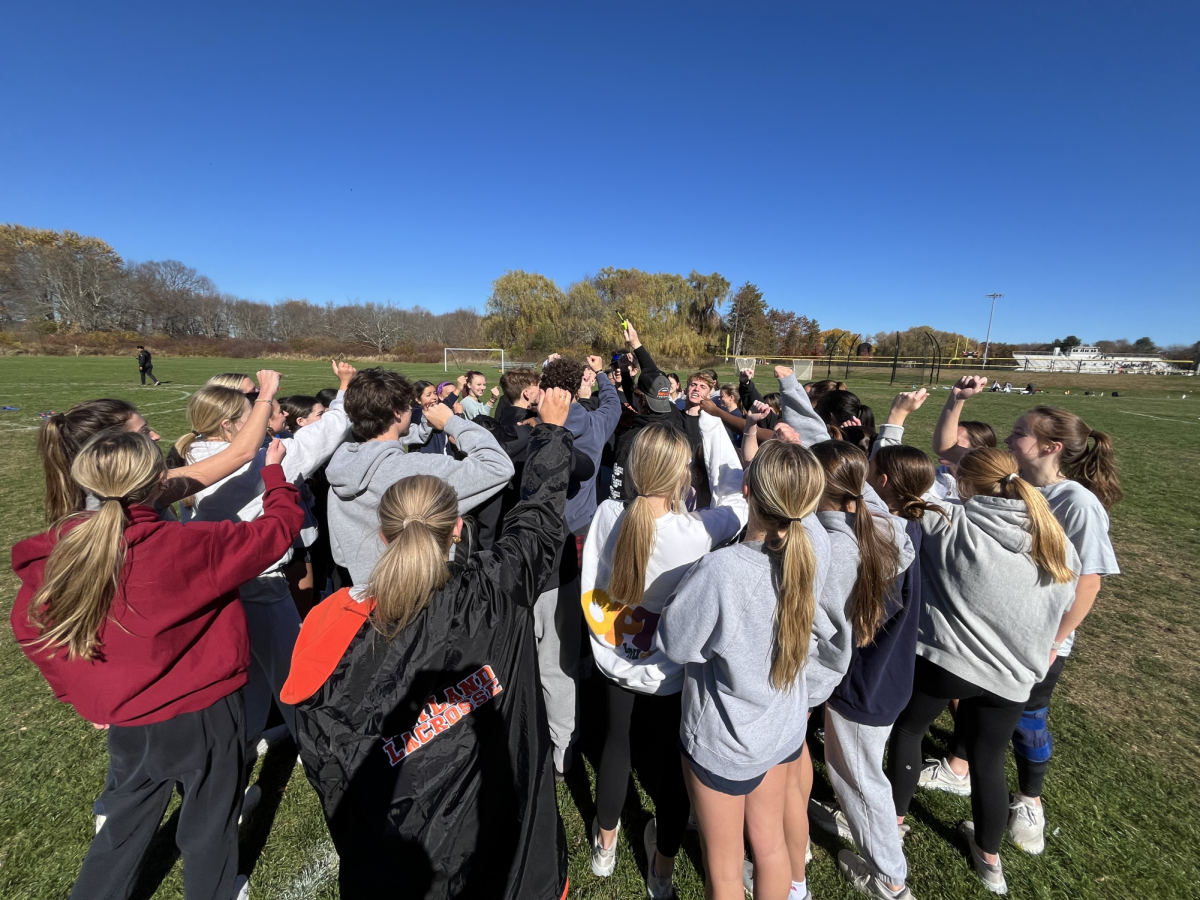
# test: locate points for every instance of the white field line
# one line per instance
(1130, 412)
(321, 867)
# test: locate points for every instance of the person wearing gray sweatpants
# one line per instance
(854, 761)
(556, 629)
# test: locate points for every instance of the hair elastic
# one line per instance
(114, 499)
(1010, 478)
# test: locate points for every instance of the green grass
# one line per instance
(1123, 796)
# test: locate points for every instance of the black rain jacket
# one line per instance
(431, 754)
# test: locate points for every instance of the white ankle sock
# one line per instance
(799, 890)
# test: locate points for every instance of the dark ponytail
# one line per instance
(910, 475)
(845, 468)
(62, 437)
(1087, 455)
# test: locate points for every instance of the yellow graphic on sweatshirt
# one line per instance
(630, 628)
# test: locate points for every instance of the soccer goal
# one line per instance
(802, 369)
(450, 352)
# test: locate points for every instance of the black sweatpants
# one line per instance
(654, 719)
(984, 728)
(148, 372)
(204, 752)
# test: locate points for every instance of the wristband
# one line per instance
(264, 401)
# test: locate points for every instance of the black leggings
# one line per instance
(984, 728)
(657, 729)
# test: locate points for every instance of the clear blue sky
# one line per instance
(874, 165)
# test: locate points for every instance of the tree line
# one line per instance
(55, 282)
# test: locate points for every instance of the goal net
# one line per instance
(461, 356)
(803, 368)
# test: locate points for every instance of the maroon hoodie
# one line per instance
(175, 640)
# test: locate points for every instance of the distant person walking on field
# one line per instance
(146, 365)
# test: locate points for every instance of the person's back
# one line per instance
(379, 405)
(421, 726)
(989, 611)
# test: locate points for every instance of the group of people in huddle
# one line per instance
(721, 565)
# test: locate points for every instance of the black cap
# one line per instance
(656, 387)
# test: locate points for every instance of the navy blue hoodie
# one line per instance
(879, 683)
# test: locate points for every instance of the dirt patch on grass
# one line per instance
(1135, 667)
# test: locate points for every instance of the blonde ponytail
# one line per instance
(208, 409)
(993, 473)
(417, 516)
(658, 467)
(83, 572)
(785, 482)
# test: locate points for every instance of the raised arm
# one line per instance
(754, 415)
(610, 405)
(239, 551)
(521, 560)
(891, 432)
(311, 446)
(187, 480)
(487, 468)
(945, 433)
(797, 409)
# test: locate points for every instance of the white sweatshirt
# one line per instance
(239, 496)
(623, 637)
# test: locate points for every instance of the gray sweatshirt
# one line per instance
(360, 473)
(833, 639)
(987, 614)
(721, 626)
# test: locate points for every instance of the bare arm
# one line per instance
(945, 433)
(754, 415)
(1085, 598)
(187, 480)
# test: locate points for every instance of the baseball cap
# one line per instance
(656, 387)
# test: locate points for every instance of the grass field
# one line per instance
(1122, 798)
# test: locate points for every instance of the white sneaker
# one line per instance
(100, 820)
(604, 860)
(241, 888)
(831, 818)
(861, 878)
(992, 876)
(250, 801)
(938, 776)
(657, 886)
(1027, 824)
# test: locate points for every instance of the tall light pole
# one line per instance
(988, 344)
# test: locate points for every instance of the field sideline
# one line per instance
(1122, 797)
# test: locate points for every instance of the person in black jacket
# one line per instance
(659, 407)
(421, 721)
(145, 365)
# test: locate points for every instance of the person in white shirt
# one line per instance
(636, 554)
(216, 414)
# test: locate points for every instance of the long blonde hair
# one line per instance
(659, 466)
(785, 483)
(993, 473)
(84, 569)
(207, 409)
(416, 517)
